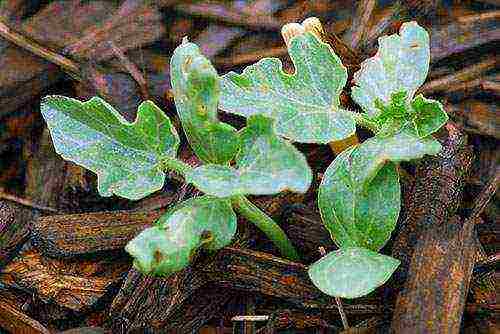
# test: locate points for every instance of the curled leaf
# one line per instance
(168, 246)
(266, 164)
(404, 145)
(125, 156)
(351, 272)
(304, 105)
(195, 84)
(428, 116)
(400, 65)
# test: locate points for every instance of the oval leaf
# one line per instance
(359, 214)
(351, 272)
(195, 85)
(306, 104)
(400, 65)
(125, 156)
(266, 165)
(168, 246)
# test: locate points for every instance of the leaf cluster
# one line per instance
(130, 160)
(359, 196)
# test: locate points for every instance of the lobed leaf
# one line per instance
(125, 156)
(266, 164)
(351, 272)
(195, 85)
(400, 65)
(168, 246)
(304, 105)
(357, 213)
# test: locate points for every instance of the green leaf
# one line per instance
(400, 65)
(351, 272)
(358, 213)
(305, 105)
(429, 115)
(405, 145)
(195, 85)
(168, 246)
(125, 156)
(266, 164)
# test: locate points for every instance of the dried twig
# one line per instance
(66, 64)
(133, 70)
(472, 72)
(26, 202)
(229, 15)
(360, 22)
(485, 196)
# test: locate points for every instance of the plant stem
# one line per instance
(362, 121)
(176, 165)
(270, 228)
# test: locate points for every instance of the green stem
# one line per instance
(176, 165)
(270, 228)
(362, 121)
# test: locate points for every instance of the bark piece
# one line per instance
(258, 272)
(433, 298)
(145, 302)
(477, 117)
(14, 320)
(436, 196)
(14, 229)
(25, 75)
(73, 235)
(76, 285)
(463, 34)
(202, 306)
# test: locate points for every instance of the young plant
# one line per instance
(359, 197)
(130, 160)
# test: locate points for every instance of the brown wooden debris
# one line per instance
(85, 330)
(76, 285)
(14, 320)
(469, 73)
(305, 229)
(433, 298)
(133, 24)
(23, 69)
(359, 23)
(14, 229)
(476, 117)
(78, 234)
(469, 32)
(226, 14)
(205, 304)
(50, 179)
(215, 38)
(436, 195)
(247, 270)
(149, 302)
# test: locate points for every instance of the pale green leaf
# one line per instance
(125, 156)
(305, 104)
(359, 214)
(195, 85)
(266, 164)
(400, 65)
(351, 272)
(168, 246)
(429, 115)
(405, 145)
